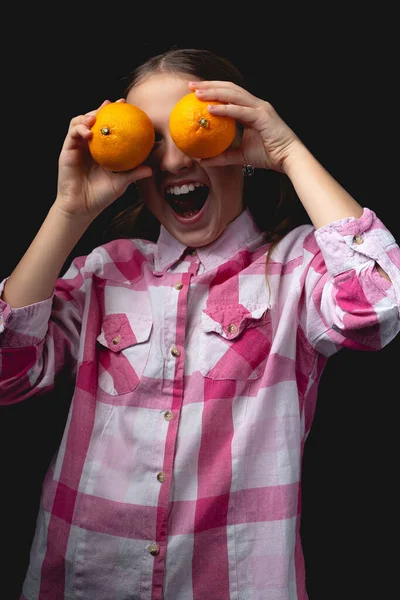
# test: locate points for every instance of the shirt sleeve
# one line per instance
(39, 340)
(348, 303)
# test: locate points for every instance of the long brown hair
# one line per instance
(269, 195)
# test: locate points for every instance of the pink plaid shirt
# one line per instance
(178, 475)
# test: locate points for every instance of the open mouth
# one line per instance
(187, 200)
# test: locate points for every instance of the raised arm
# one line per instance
(84, 190)
(269, 143)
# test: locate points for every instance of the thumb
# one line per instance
(140, 172)
(231, 156)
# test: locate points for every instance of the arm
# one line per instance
(269, 143)
(84, 190)
(40, 315)
(324, 199)
(34, 278)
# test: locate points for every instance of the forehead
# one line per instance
(159, 93)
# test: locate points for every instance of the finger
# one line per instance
(80, 131)
(228, 96)
(243, 114)
(140, 172)
(203, 85)
(95, 111)
(231, 156)
(88, 117)
(76, 135)
(87, 120)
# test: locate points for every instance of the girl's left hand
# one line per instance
(266, 140)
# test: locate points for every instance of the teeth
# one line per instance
(177, 190)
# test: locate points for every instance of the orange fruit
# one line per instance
(198, 133)
(123, 136)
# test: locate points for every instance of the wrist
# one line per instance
(296, 154)
(70, 218)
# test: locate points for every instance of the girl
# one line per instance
(196, 350)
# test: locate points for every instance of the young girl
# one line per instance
(196, 353)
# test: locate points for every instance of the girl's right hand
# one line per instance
(85, 188)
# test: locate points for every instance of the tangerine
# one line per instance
(123, 136)
(198, 133)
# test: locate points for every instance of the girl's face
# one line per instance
(192, 202)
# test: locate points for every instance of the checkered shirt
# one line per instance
(178, 476)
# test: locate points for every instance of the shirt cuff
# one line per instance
(18, 323)
(353, 243)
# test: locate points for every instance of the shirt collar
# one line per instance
(239, 233)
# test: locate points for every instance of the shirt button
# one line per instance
(232, 328)
(178, 285)
(193, 252)
(175, 351)
(116, 340)
(168, 415)
(154, 549)
(161, 477)
(358, 239)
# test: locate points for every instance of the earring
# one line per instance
(248, 170)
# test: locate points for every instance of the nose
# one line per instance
(172, 159)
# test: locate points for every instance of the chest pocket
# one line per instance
(124, 346)
(235, 341)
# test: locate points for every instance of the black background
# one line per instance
(335, 84)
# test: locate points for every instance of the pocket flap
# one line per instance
(229, 321)
(120, 330)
